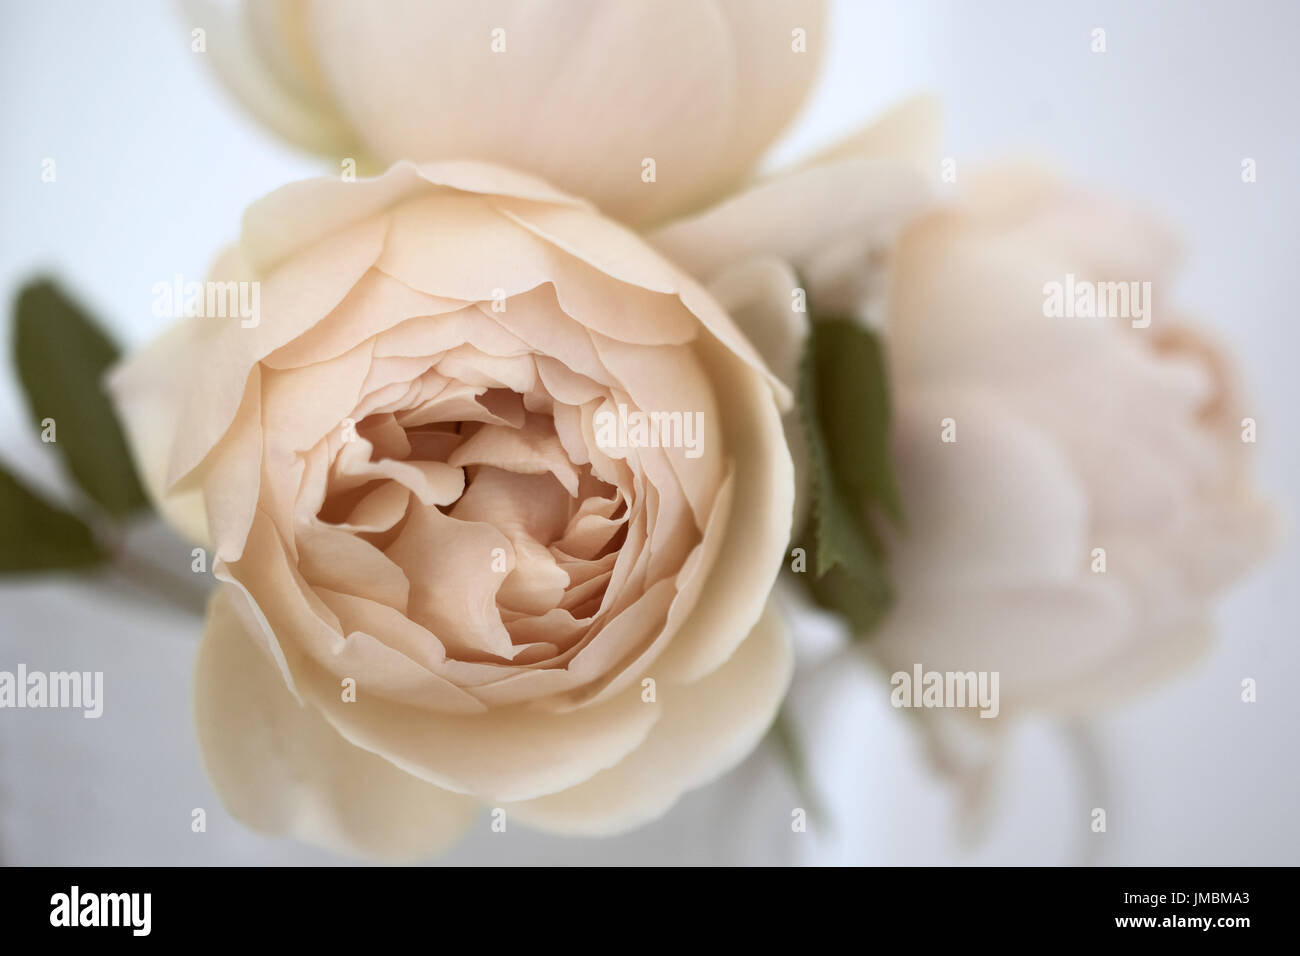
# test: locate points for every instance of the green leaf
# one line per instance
(61, 357)
(843, 398)
(852, 395)
(861, 598)
(36, 536)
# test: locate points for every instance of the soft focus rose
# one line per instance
(400, 474)
(1071, 434)
(580, 92)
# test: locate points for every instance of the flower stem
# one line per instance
(1086, 748)
(148, 577)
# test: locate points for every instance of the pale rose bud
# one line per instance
(449, 581)
(1093, 495)
(1024, 440)
(647, 107)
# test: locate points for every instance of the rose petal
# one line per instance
(707, 728)
(280, 768)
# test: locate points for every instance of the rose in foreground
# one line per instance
(442, 586)
(580, 92)
(1093, 494)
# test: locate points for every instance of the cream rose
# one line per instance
(1096, 497)
(581, 92)
(444, 583)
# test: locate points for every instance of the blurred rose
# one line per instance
(1071, 434)
(581, 92)
(401, 473)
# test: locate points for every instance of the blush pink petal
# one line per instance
(1000, 505)
(281, 769)
(701, 736)
(149, 406)
(735, 591)
(504, 754)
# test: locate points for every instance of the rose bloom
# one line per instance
(440, 589)
(1072, 434)
(580, 92)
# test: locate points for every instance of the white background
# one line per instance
(155, 166)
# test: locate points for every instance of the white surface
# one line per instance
(155, 166)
